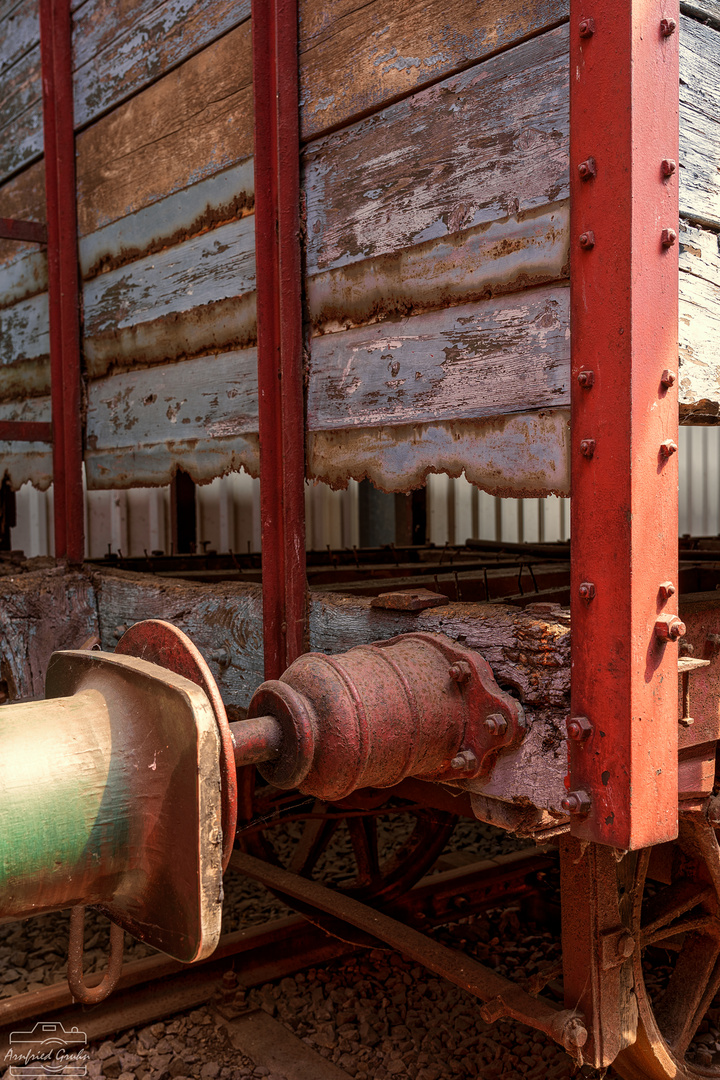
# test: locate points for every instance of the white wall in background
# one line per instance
(228, 511)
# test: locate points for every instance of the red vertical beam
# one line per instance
(63, 276)
(624, 82)
(279, 318)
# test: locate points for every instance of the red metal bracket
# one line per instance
(279, 320)
(25, 431)
(33, 231)
(63, 276)
(624, 82)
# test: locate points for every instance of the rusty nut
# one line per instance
(667, 589)
(668, 448)
(586, 379)
(465, 761)
(587, 169)
(586, 240)
(579, 728)
(667, 378)
(668, 237)
(496, 724)
(587, 590)
(667, 27)
(586, 27)
(668, 166)
(669, 628)
(576, 802)
(460, 671)
(587, 447)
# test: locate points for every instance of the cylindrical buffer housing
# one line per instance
(382, 712)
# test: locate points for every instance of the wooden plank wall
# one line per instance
(436, 203)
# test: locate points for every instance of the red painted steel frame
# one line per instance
(279, 317)
(63, 277)
(13, 229)
(624, 82)
(25, 431)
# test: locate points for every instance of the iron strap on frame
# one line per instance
(63, 277)
(279, 321)
(624, 143)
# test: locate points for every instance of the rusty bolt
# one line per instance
(667, 589)
(229, 986)
(496, 724)
(460, 671)
(587, 447)
(668, 238)
(587, 590)
(586, 379)
(221, 657)
(667, 27)
(576, 802)
(586, 27)
(667, 378)
(668, 166)
(668, 448)
(579, 728)
(625, 946)
(587, 240)
(587, 169)
(465, 761)
(669, 628)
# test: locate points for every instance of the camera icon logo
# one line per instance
(47, 1050)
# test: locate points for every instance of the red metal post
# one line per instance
(624, 82)
(63, 276)
(279, 319)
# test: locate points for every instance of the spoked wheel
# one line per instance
(371, 846)
(676, 925)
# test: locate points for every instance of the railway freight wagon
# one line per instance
(370, 242)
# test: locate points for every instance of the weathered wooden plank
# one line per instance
(182, 301)
(699, 376)
(704, 10)
(40, 612)
(499, 356)
(19, 32)
(480, 146)
(472, 264)
(200, 415)
(356, 58)
(699, 122)
(186, 300)
(521, 455)
(118, 50)
(525, 652)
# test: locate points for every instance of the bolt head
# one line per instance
(669, 628)
(465, 761)
(587, 240)
(625, 946)
(460, 671)
(586, 379)
(587, 169)
(668, 238)
(668, 448)
(668, 166)
(586, 27)
(579, 728)
(587, 447)
(496, 724)
(587, 590)
(576, 802)
(667, 27)
(667, 589)
(667, 378)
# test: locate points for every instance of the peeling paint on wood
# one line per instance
(699, 122)
(354, 58)
(505, 355)
(200, 415)
(117, 51)
(480, 146)
(23, 462)
(472, 264)
(699, 373)
(522, 455)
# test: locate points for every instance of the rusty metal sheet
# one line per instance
(526, 454)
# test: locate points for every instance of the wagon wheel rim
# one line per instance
(376, 878)
(682, 917)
